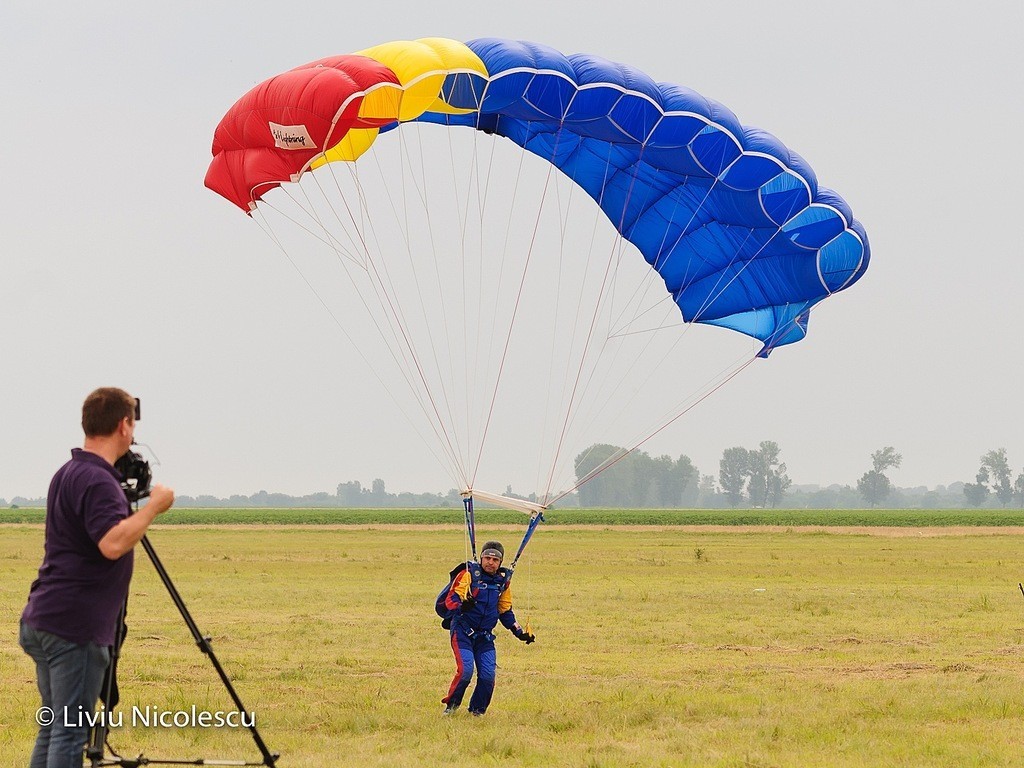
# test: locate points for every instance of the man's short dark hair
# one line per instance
(103, 410)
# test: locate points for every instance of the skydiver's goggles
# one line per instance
(492, 553)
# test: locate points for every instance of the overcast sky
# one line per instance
(118, 267)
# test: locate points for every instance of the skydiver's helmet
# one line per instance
(493, 549)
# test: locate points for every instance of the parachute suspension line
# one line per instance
(396, 314)
(622, 333)
(338, 250)
(483, 370)
(627, 368)
(515, 310)
(626, 375)
(682, 406)
(636, 313)
(444, 372)
(633, 302)
(404, 368)
(643, 283)
(264, 224)
(590, 333)
(498, 291)
(622, 454)
(463, 225)
(563, 221)
(370, 312)
(569, 394)
(481, 197)
(463, 210)
(396, 319)
(566, 378)
(721, 378)
(450, 392)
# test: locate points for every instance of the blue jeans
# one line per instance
(69, 677)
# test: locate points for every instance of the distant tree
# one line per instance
(686, 480)
(1018, 490)
(885, 459)
(733, 470)
(779, 483)
(998, 467)
(350, 494)
(633, 478)
(767, 475)
(874, 485)
(757, 481)
(707, 491)
(675, 482)
(601, 489)
(977, 491)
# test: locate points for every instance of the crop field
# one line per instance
(656, 646)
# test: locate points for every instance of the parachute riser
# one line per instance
(535, 519)
(535, 511)
(467, 502)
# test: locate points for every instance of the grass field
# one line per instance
(656, 647)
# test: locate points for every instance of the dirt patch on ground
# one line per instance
(852, 530)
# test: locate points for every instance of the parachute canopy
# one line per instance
(734, 223)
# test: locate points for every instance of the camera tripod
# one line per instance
(98, 742)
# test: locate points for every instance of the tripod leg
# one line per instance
(108, 694)
(269, 758)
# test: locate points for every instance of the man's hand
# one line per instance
(527, 637)
(161, 498)
(468, 603)
(120, 539)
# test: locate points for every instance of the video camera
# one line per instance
(134, 469)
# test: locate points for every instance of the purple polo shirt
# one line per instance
(79, 592)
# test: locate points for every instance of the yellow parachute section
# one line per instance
(421, 67)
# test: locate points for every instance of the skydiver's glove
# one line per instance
(526, 637)
(467, 604)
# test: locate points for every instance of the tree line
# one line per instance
(614, 477)
(757, 478)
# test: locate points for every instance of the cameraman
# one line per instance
(69, 623)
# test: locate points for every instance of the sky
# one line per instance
(118, 267)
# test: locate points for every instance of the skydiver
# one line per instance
(479, 597)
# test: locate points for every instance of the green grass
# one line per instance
(656, 647)
(914, 518)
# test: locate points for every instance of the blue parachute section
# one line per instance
(733, 221)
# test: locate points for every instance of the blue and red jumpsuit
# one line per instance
(472, 638)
